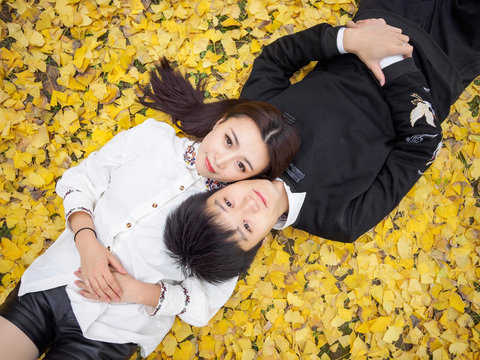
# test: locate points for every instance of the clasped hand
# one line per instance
(372, 40)
(100, 270)
(128, 284)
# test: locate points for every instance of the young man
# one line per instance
(363, 146)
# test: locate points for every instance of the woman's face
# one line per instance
(232, 151)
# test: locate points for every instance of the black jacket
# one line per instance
(360, 153)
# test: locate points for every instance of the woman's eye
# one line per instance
(247, 227)
(241, 167)
(228, 140)
(228, 203)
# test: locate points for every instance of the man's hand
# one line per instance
(372, 40)
(96, 273)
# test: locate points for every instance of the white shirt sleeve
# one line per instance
(389, 60)
(340, 41)
(81, 186)
(194, 301)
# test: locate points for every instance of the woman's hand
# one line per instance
(131, 288)
(372, 40)
(96, 265)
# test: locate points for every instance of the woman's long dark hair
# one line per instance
(172, 93)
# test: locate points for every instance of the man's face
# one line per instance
(251, 207)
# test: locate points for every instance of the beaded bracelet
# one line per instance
(85, 228)
(161, 297)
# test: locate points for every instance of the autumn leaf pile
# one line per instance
(69, 75)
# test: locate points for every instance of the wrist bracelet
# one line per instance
(85, 228)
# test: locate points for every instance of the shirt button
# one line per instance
(154, 205)
(129, 225)
(182, 187)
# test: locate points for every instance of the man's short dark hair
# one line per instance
(201, 245)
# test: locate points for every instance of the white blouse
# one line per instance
(129, 186)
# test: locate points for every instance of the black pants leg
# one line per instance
(47, 318)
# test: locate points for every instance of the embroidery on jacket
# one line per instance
(80, 208)
(214, 184)
(435, 154)
(69, 192)
(163, 290)
(419, 138)
(422, 108)
(190, 155)
(187, 300)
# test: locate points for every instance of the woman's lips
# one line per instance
(209, 166)
(261, 197)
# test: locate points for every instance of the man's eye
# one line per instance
(246, 226)
(241, 167)
(228, 203)
(228, 140)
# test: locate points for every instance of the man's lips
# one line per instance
(261, 197)
(209, 166)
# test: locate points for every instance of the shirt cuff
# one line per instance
(389, 60)
(341, 50)
(172, 300)
(73, 201)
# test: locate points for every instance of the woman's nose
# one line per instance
(223, 160)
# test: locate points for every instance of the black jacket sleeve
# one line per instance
(418, 140)
(274, 67)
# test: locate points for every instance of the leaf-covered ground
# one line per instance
(69, 71)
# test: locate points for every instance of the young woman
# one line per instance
(116, 202)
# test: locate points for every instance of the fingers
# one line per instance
(366, 22)
(404, 49)
(352, 25)
(116, 264)
(85, 291)
(378, 73)
(105, 287)
(112, 287)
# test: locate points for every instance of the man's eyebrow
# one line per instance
(242, 235)
(236, 141)
(219, 205)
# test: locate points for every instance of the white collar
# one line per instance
(295, 203)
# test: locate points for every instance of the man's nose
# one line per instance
(249, 204)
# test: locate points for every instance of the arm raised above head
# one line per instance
(274, 67)
(371, 40)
